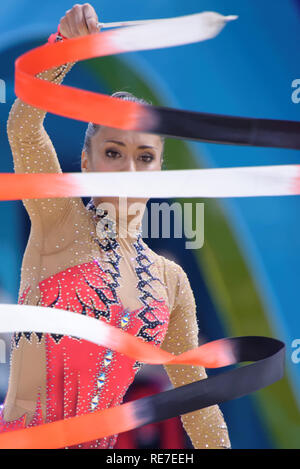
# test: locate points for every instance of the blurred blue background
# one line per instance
(246, 277)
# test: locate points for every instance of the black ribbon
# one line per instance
(230, 130)
(268, 355)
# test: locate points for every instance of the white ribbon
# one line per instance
(29, 318)
(245, 181)
(169, 32)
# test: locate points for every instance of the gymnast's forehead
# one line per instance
(105, 135)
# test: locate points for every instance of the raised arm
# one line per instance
(31, 146)
(205, 427)
(33, 151)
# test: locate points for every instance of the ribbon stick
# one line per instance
(267, 353)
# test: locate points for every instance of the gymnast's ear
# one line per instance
(84, 161)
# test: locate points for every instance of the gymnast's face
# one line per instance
(123, 150)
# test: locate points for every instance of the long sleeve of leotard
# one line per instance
(33, 152)
(206, 427)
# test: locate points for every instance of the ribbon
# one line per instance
(113, 112)
(268, 354)
(223, 182)
(119, 24)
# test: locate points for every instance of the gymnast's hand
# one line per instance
(79, 21)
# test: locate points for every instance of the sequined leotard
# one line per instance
(120, 281)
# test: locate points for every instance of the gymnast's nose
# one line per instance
(130, 165)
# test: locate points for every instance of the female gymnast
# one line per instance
(91, 260)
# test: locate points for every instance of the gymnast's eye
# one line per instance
(112, 154)
(147, 157)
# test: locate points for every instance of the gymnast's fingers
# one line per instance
(78, 20)
(91, 18)
(64, 27)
